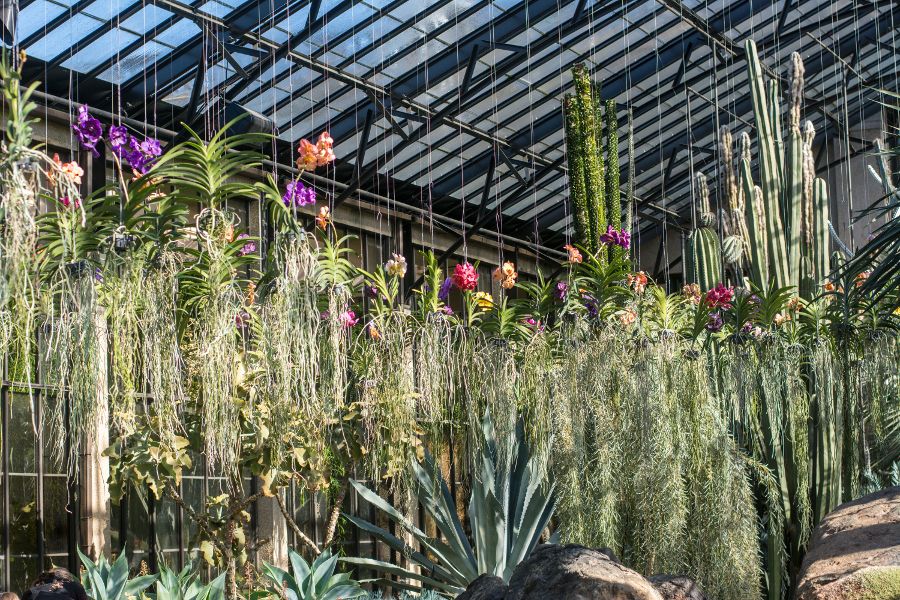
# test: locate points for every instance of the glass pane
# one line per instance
(22, 514)
(21, 435)
(63, 37)
(100, 50)
(138, 540)
(35, 16)
(145, 19)
(166, 521)
(23, 571)
(56, 522)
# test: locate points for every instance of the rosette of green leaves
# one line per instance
(511, 503)
(316, 581)
(109, 581)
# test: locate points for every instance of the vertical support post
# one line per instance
(39, 484)
(95, 505)
(179, 527)
(152, 541)
(409, 252)
(4, 416)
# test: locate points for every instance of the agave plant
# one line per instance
(317, 581)
(511, 503)
(109, 581)
(186, 585)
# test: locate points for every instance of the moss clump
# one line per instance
(876, 583)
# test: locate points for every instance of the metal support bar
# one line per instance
(579, 10)
(358, 82)
(488, 184)
(470, 70)
(785, 9)
(512, 167)
(360, 159)
(387, 115)
(682, 66)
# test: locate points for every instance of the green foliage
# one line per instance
(511, 503)
(317, 581)
(186, 585)
(212, 172)
(109, 581)
(687, 434)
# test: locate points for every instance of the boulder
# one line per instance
(574, 572)
(677, 587)
(854, 552)
(485, 587)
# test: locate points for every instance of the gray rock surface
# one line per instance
(854, 552)
(574, 572)
(486, 587)
(677, 587)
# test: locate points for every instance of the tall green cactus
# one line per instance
(575, 157)
(703, 253)
(592, 155)
(787, 213)
(613, 196)
(592, 146)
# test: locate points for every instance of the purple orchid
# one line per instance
(590, 304)
(616, 237)
(88, 129)
(150, 147)
(562, 290)
(247, 248)
(118, 138)
(715, 322)
(444, 291)
(297, 194)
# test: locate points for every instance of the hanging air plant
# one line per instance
(287, 346)
(162, 361)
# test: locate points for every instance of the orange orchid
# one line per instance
(574, 254)
(323, 218)
(307, 161)
(628, 317)
(692, 292)
(70, 169)
(315, 155)
(506, 275)
(324, 149)
(638, 281)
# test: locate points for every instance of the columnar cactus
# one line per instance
(787, 213)
(703, 253)
(592, 156)
(592, 146)
(613, 198)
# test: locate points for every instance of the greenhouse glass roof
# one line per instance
(458, 103)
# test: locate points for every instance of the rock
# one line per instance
(854, 553)
(485, 587)
(677, 587)
(576, 573)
